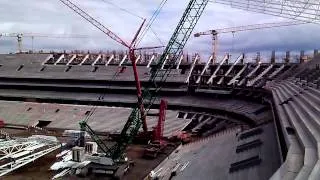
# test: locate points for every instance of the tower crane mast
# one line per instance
(214, 33)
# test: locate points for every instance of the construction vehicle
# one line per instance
(214, 33)
(115, 158)
(158, 144)
(182, 136)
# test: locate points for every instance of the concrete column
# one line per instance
(301, 56)
(315, 52)
(242, 60)
(273, 57)
(287, 58)
(258, 57)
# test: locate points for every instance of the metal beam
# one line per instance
(110, 59)
(123, 59)
(234, 79)
(253, 81)
(231, 68)
(302, 10)
(19, 152)
(151, 60)
(60, 58)
(214, 75)
(71, 59)
(196, 59)
(179, 62)
(13, 165)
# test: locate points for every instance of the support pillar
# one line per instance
(287, 58)
(273, 57)
(315, 52)
(301, 56)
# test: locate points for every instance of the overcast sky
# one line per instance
(51, 16)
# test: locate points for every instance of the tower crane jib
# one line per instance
(215, 32)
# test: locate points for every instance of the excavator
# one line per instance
(113, 158)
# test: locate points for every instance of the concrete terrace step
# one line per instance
(311, 113)
(310, 120)
(282, 118)
(310, 155)
(314, 128)
(309, 97)
(294, 159)
(314, 91)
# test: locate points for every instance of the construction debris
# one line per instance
(18, 152)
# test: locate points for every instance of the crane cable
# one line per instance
(143, 33)
(100, 98)
(157, 36)
(150, 22)
(122, 9)
(148, 26)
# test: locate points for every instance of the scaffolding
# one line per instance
(16, 153)
(302, 10)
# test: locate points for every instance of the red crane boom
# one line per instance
(94, 22)
(115, 37)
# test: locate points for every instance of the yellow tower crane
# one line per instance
(20, 36)
(214, 33)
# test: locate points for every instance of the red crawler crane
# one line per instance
(158, 76)
(158, 144)
(158, 130)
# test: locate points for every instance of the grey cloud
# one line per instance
(51, 16)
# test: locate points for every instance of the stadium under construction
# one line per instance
(140, 114)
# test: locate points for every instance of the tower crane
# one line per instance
(148, 96)
(20, 36)
(214, 33)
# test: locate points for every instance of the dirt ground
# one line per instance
(143, 166)
(39, 169)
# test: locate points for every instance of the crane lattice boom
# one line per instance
(158, 76)
(173, 49)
